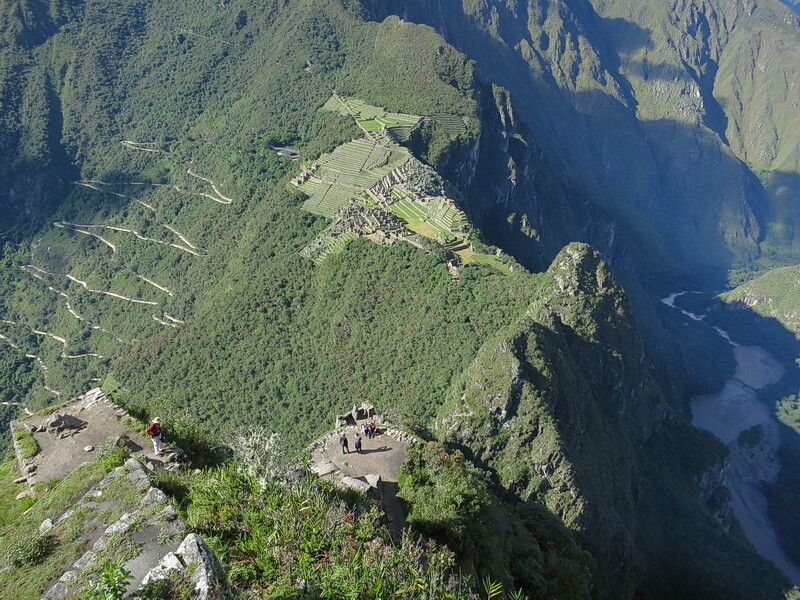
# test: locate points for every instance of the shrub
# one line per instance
(446, 496)
(27, 443)
(28, 550)
(112, 454)
(261, 454)
(112, 585)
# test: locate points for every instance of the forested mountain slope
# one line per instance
(675, 118)
(152, 239)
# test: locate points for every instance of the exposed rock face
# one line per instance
(563, 409)
(62, 421)
(194, 558)
(557, 404)
(661, 116)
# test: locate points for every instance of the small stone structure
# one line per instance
(64, 435)
(374, 470)
(358, 413)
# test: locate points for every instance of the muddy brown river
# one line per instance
(726, 414)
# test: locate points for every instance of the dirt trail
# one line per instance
(93, 185)
(225, 199)
(77, 227)
(163, 322)
(58, 338)
(112, 294)
(20, 404)
(38, 360)
(154, 284)
(25, 268)
(72, 228)
(136, 146)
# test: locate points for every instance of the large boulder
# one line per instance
(61, 422)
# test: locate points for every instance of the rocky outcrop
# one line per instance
(674, 123)
(556, 406)
(192, 559)
(147, 522)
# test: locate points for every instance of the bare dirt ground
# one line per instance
(61, 453)
(381, 455)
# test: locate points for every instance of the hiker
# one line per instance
(155, 432)
(358, 443)
(365, 428)
(372, 430)
(343, 444)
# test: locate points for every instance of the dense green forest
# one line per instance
(151, 245)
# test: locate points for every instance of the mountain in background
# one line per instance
(154, 240)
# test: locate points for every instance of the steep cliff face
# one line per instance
(562, 408)
(663, 114)
(556, 404)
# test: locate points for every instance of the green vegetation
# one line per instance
(111, 455)
(65, 543)
(445, 494)
(27, 443)
(449, 500)
(111, 585)
(776, 294)
(10, 507)
(152, 235)
(272, 537)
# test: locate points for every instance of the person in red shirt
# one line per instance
(155, 432)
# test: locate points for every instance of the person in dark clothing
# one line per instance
(358, 443)
(343, 444)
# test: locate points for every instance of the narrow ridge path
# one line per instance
(92, 184)
(112, 294)
(25, 269)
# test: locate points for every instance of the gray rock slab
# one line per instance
(66, 515)
(46, 526)
(354, 484)
(169, 513)
(122, 525)
(323, 468)
(87, 560)
(154, 496)
(193, 550)
(133, 465)
(170, 562)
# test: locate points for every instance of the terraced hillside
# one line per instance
(373, 177)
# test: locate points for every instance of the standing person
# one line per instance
(155, 432)
(365, 428)
(372, 430)
(343, 444)
(358, 443)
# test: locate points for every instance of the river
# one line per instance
(726, 414)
